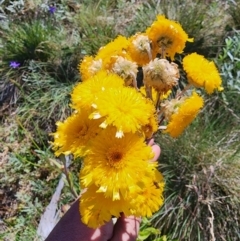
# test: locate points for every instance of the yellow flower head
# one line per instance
(88, 67)
(140, 48)
(202, 73)
(96, 209)
(161, 75)
(167, 36)
(150, 198)
(85, 93)
(184, 115)
(74, 134)
(117, 47)
(126, 69)
(124, 108)
(116, 164)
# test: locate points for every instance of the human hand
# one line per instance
(70, 227)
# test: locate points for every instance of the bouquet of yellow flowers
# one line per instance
(114, 117)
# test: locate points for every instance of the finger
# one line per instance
(103, 233)
(150, 142)
(126, 228)
(157, 151)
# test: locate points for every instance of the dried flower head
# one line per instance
(161, 75)
(126, 69)
(169, 107)
(140, 49)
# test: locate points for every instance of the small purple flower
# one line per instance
(52, 9)
(14, 64)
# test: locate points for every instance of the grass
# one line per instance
(28, 42)
(198, 179)
(201, 168)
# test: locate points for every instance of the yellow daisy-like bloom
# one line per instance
(124, 108)
(115, 164)
(161, 75)
(202, 73)
(74, 134)
(96, 209)
(167, 36)
(85, 93)
(185, 114)
(140, 49)
(150, 198)
(117, 47)
(88, 67)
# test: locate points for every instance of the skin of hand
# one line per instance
(70, 227)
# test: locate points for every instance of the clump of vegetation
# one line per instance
(29, 41)
(202, 192)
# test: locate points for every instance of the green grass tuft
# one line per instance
(29, 41)
(202, 185)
